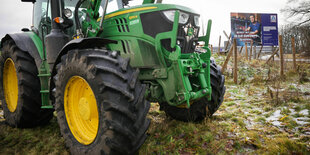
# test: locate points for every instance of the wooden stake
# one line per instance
(272, 55)
(251, 50)
(254, 52)
(281, 57)
(241, 48)
(294, 52)
(235, 61)
(227, 59)
(219, 48)
(273, 49)
(260, 51)
(228, 39)
(246, 51)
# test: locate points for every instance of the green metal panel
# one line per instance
(37, 41)
(170, 82)
(44, 71)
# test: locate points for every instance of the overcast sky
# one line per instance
(15, 15)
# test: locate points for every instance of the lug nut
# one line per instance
(114, 54)
(204, 91)
(204, 65)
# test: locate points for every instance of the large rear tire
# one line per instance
(201, 108)
(100, 103)
(20, 88)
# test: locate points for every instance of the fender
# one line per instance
(81, 43)
(25, 43)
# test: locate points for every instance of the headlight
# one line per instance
(67, 12)
(183, 17)
(196, 20)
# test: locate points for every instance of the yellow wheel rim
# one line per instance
(10, 84)
(81, 110)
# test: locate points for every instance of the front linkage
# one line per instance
(188, 76)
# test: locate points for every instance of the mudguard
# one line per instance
(25, 43)
(81, 43)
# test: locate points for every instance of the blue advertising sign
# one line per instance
(269, 29)
(262, 29)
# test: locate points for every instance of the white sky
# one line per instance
(15, 15)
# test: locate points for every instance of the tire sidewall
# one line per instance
(73, 69)
(10, 117)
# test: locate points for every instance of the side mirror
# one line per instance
(33, 1)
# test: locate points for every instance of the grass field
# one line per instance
(262, 114)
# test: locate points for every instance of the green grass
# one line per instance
(283, 145)
(255, 112)
(230, 103)
(289, 122)
(46, 140)
(285, 111)
(260, 119)
(267, 108)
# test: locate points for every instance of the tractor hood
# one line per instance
(150, 7)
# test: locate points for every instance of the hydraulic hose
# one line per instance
(76, 17)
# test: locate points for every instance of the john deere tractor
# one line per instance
(98, 64)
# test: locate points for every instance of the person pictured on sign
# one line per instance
(254, 30)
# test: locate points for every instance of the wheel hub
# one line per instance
(10, 84)
(84, 108)
(81, 110)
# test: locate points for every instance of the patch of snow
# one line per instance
(265, 57)
(292, 112)
(275, 117)
(302, 120)
(304, 88)
(304, 112)
(276, 123)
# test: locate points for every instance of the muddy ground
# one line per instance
(262, 114)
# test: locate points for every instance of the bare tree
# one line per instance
(299, 9)
(301, 35)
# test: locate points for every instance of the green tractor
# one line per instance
(98, 64)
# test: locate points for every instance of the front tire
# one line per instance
(20, 88)
(201, 108)
(114, 120)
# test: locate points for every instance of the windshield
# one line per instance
(41, 12)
